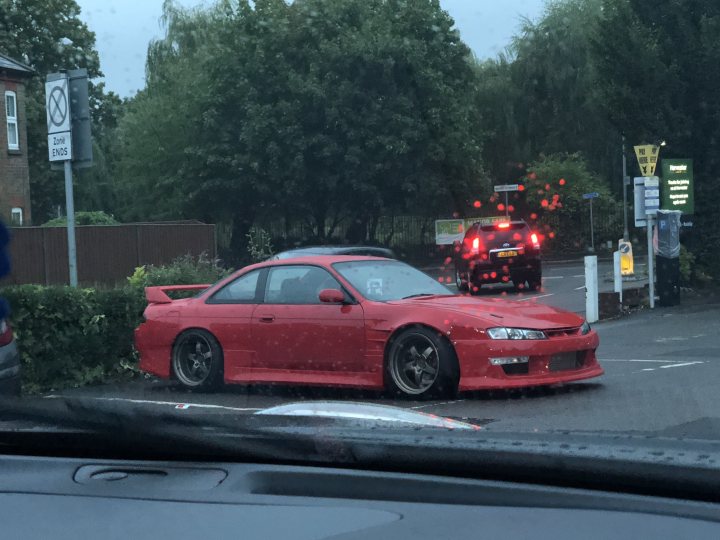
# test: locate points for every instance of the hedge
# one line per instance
(71, 337)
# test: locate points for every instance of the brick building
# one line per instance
(14, 168)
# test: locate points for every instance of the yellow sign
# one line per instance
(627, 266)
(647, 156)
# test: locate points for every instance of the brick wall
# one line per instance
(14, 169)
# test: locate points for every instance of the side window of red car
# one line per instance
(297, 284)
(243, 290)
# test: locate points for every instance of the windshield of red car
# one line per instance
(385, 281)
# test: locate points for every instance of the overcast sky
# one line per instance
(124, 28)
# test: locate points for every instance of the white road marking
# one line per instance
(579, 288)
(664, 339)
(534, 297)
(683, 364)
(648, 369)
(182, 406)
(437, 404)
(553, 277)
(579, 275)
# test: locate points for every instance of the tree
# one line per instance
(657, 80)
(318, 111)
(540, 96)
(48, 35)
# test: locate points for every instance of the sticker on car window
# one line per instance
(374, 287)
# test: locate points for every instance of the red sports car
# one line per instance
(362, 322)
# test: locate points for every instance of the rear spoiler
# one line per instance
(158, 295)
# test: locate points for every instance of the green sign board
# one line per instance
(677, 186)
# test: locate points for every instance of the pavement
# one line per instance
(662, 369)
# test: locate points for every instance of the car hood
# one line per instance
(499, 312)
(365, 412)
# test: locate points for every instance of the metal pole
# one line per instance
(617, 275)
(592, 229)
(507, 210)
(651, 262)
(70, 206)
(626, 234)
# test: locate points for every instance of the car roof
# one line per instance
(330, 250)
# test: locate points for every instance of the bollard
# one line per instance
(591, 289)
(617, 274)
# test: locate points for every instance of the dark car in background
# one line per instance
(363, 251)
(502, 252)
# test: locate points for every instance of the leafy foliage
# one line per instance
(259, 244)
(84, 218)
(312, 110)
(658, 80)
(185, 270)
(71, 337)
(48, 35)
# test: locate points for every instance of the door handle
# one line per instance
(267, 318)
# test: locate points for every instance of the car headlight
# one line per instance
(515, 333)
(585, 328)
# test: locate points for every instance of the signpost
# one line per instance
(591, 196)
(507, 188)
(69, 140)
(648, 190)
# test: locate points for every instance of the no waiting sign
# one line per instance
(57, 108)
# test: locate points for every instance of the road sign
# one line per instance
(60, 146)
(677, 185)
(507, 187)
(647, 156)
(57, 105)
(627, 263)
(639, 201)
(57, 108)
(593, 195)
(449, 231)
(652, 195)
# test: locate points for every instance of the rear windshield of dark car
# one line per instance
(491, 234)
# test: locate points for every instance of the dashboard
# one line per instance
(69, 498)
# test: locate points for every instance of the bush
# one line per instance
(71, 337)
(259, 244)
(687, 261)
(185, 270)
(84, 218)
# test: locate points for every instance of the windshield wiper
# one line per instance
(423, 294)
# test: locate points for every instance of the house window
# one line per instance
(12, 120)
(16, 216)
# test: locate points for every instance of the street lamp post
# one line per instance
(626, 234)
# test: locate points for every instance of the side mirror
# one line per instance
(332, 296)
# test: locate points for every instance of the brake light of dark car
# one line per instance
(503, 225)
(476, 244)
(535, 240)
(6, 333)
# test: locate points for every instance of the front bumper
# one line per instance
(476, 372)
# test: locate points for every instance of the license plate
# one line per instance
(507, 253)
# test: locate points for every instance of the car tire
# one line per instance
(474, 288)
(535, 281)
(420, 364)
(462, 284)
(197, 360)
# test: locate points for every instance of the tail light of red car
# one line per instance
(6, 333)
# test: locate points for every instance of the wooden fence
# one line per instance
(106, 254)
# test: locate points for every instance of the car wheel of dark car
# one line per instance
(535, 282)
(460, 281)
(420, 363)
(475, 288)
(197, 360)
